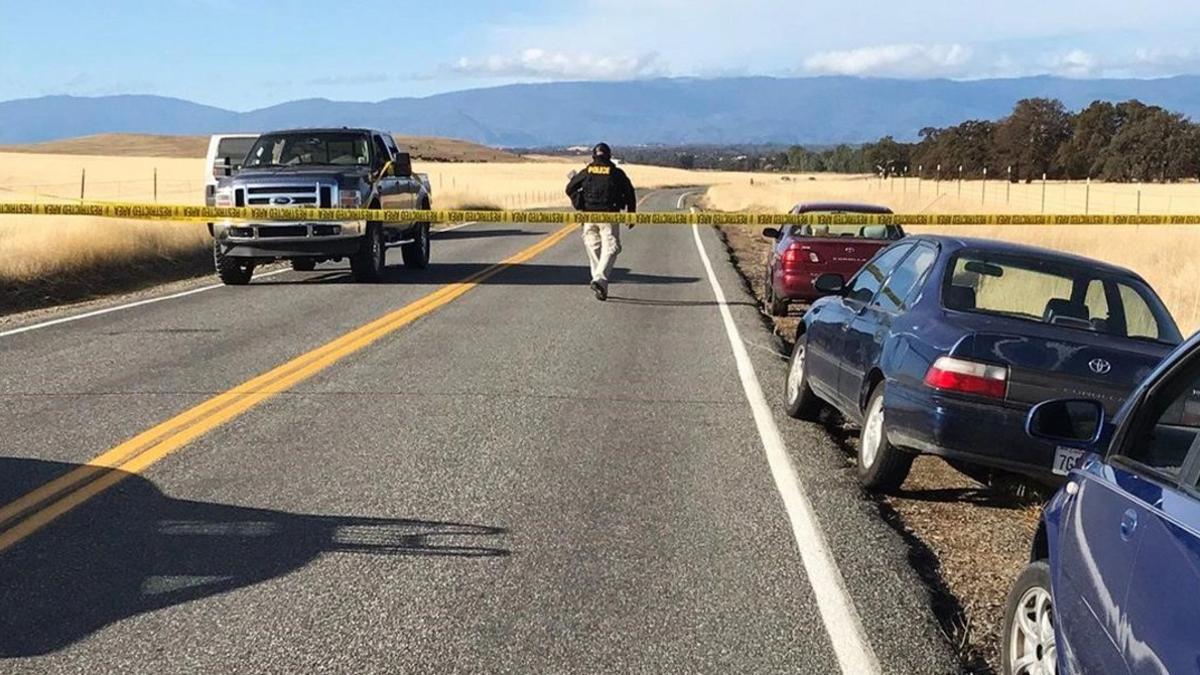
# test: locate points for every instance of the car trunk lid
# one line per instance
(1047, 362)
(841, 255)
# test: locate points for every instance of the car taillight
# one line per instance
(349, 199)
(968, 377)
(796, 254)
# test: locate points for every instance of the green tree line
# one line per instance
(1116, 142)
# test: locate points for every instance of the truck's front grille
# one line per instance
(284, 196)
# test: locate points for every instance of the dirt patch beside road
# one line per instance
(968, 541)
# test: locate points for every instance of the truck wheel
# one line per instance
(367, 263)
(802, 403)
(882, 467)
(231, 271)
(304, 264)
(416, 254)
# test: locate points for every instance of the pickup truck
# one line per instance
(338, 168)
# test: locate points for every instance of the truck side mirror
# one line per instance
(402, 166)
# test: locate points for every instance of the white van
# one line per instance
(225, 155)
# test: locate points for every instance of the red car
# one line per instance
(804, 252)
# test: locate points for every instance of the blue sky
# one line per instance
(250, 54)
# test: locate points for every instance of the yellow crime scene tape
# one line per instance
(298, 214)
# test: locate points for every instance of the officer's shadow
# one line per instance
(132, 549)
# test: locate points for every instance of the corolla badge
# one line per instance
(282, 201)
(1100, 366)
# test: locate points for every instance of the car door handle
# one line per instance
(1128, 524)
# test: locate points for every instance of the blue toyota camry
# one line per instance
(1113, 585)
(941, 345)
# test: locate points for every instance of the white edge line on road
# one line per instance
(842, 623)
(150, 301)
(679, 204)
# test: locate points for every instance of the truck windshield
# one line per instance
(297, 149)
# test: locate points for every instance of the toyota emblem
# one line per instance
(849, 249)
(1100, 366)
(282, 201)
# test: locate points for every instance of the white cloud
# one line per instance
(1075, 63)
(900, 60)
(559, 65)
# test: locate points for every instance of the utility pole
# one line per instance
(1043, 192)
(1008, 186)
(983, 189)
(960, 181)
(920, 173)
(1087, 196)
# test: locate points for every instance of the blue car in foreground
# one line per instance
(1113, 585)
(941, 345)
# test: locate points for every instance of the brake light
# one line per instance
(968, 377)
(796, 254)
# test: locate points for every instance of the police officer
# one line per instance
(602, 187)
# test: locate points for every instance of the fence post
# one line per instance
(1008, 186)
(1139, 199)
(960, 181)
(1043, 192)
(983, 190)
(1087, 196)
(156, 185)
(82, 182)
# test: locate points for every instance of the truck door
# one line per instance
(388, 186)
(407, 185)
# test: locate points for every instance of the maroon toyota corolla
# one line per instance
(802, 253)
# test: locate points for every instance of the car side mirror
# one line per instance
(402, 166)
(770, 233)
(830, 284)
(1075, 423)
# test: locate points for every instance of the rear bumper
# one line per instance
(796, 286)
(980, 432)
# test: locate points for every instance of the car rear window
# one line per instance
(1056, 292)
(886, 232)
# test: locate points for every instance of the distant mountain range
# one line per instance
(816, 110)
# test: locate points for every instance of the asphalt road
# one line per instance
(518, 478)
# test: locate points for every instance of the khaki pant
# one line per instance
(603, 243)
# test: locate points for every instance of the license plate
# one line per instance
(1066, 459)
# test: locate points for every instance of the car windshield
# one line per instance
(297, 149)
(853, 230)
(1057, 292)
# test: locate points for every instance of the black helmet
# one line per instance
(602, 152)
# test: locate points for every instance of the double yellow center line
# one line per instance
(29, 513)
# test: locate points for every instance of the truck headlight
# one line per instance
(349, 199)
(223, 197)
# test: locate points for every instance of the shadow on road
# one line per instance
(133, 549)
(620, 299)
(472, 233)
(516, 275)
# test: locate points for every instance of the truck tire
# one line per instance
(416, 254)
(304, 264)
(882, 467)
(367, 263)
(231, 271)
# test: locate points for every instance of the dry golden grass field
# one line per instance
(1164, 255)
(34, 248)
